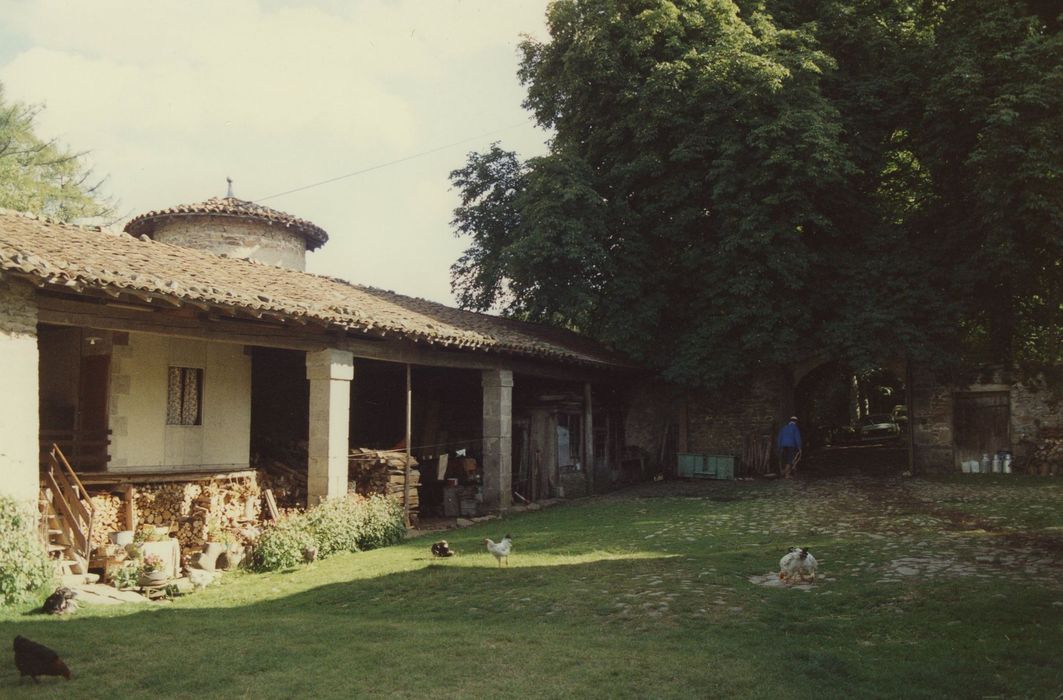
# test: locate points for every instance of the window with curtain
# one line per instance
(184, 402)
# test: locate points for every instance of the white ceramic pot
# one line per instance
(122, 537)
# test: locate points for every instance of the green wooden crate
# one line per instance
(708, 469)
(696, 465)
(690, 464)
(721, 466)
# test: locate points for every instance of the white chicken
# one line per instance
(500, 549)
(798, 563)
(200, 579)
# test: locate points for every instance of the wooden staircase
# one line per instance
(66, 515)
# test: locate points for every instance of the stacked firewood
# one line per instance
(1047, 458)
(193, 510)
(288, 485)
(109, 517)
(383, 472)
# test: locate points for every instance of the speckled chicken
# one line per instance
(62, 601)
(442, 549)
(796, 564)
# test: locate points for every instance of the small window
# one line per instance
(183, 403)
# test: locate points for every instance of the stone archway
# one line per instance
(842, 412)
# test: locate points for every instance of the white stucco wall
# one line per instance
(140, 438)
(19, 452)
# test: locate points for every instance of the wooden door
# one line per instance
(92, 434)
(981, 424)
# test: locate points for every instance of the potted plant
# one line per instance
(234, 551)
(153, 571)
(126, 576)
(217, 538)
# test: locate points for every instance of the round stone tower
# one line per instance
(235, 227)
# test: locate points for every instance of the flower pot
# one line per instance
(154, 578)
(121, 538)
(211, 552)
(230, 559)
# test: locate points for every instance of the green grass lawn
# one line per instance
(929, 588)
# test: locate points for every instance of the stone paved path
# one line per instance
(905, 527)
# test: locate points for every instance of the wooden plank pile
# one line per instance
(383, 472)
(756, 453)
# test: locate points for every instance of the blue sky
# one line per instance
(172, 97)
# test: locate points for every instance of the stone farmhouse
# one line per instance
(194, 342)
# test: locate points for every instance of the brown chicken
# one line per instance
(33, 659)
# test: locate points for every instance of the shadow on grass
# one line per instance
(439, 630)
(531, 631)
(576, 615)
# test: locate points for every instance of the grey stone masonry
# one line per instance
(330, 373)
(18, 309)
(256, 240)
(498, 439)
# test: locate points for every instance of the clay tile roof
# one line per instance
(79, 258)
(229, 206)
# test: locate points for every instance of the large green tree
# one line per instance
(991, 139)
(43, 177)
(738, 184)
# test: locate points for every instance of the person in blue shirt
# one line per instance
(789, 444)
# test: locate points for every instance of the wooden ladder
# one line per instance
(67, 515)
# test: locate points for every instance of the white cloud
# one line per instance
(170, 97)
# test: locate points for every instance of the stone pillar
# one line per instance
(330, 373)
(19, 427)
(498, 439)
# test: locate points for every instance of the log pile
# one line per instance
(383, 472)
(282, 467)
(288, 485)
(1047, 458)
(192, 509)
(109, 517)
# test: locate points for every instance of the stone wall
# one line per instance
(719, 422)
(1032, 409)
(707, 422)
(19, 428)
(273, 245)
(930, 422)
(652, 406)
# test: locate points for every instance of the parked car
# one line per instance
(900, 417)
(879, 426)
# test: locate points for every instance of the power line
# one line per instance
(392, 162)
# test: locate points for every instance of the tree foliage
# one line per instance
(43, 177)
(733, 184)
